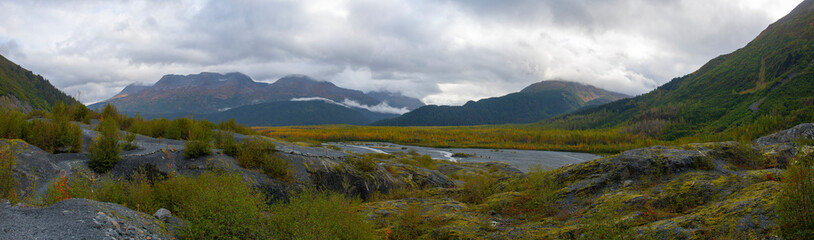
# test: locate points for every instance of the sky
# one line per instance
(443, 52)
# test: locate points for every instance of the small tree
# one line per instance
(200, 140)
(104, 150)
(110, 112)
(795, 204)
(8, 183)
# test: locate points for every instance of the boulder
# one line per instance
(163, 214)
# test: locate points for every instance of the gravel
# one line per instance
(78, 219)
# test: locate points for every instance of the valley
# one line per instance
(371, 145)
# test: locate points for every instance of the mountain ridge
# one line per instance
(765, 86)
(25, 90)
(533, 103)
(209, 93)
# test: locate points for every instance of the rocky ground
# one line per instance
(81, 219)
(684, 192)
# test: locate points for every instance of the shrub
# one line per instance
(256, 152)
(315, 215)
(129, 141)
(476, 188)
(199, 142)
(364, 164)
(795, 204)
(215, 206)
(233, 126)
(226, 141)
(276, 167)
(540, 195)
(410, 225)
(110, 112)
(13, 125)
(415, 159)
(56, 135)
(76, 185)
(67, 134)
(104, 150)
(8, 184)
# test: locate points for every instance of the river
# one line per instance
(522, 159)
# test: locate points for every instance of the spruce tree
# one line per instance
(104, 150)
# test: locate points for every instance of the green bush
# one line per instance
(110, 112)
(276, 167)
(415, 159)
(364, 163)
(314, 215)
(129, 141)
(795, 204)
(54, 135)
(256, 152)
(540, 195)
(226, 141)
(476, 188)
(104, 150)
(13, 125)
(233, 126)
(215, 206)
(76, 185)
(199, 142)
(8, 184)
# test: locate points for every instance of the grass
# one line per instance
(495, 136)
(527, 137)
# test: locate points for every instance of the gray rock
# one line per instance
(163, 214)
(804, 131)
(88, 219)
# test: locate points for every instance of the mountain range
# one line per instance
(21, 89)
(536, 102)
(301, 100)
(765, 86)
(223, 96)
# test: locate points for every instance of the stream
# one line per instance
(522, 159)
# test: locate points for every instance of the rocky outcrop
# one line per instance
(80, 219)
(11, 102)
(692, 191)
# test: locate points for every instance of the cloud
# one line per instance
(444, 52)
(379, 108)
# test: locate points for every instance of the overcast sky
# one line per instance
(440, 51)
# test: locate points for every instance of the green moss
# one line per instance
(687, 191)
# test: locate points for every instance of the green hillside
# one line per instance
(763, 87)
(29, 87)
(536, 102)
